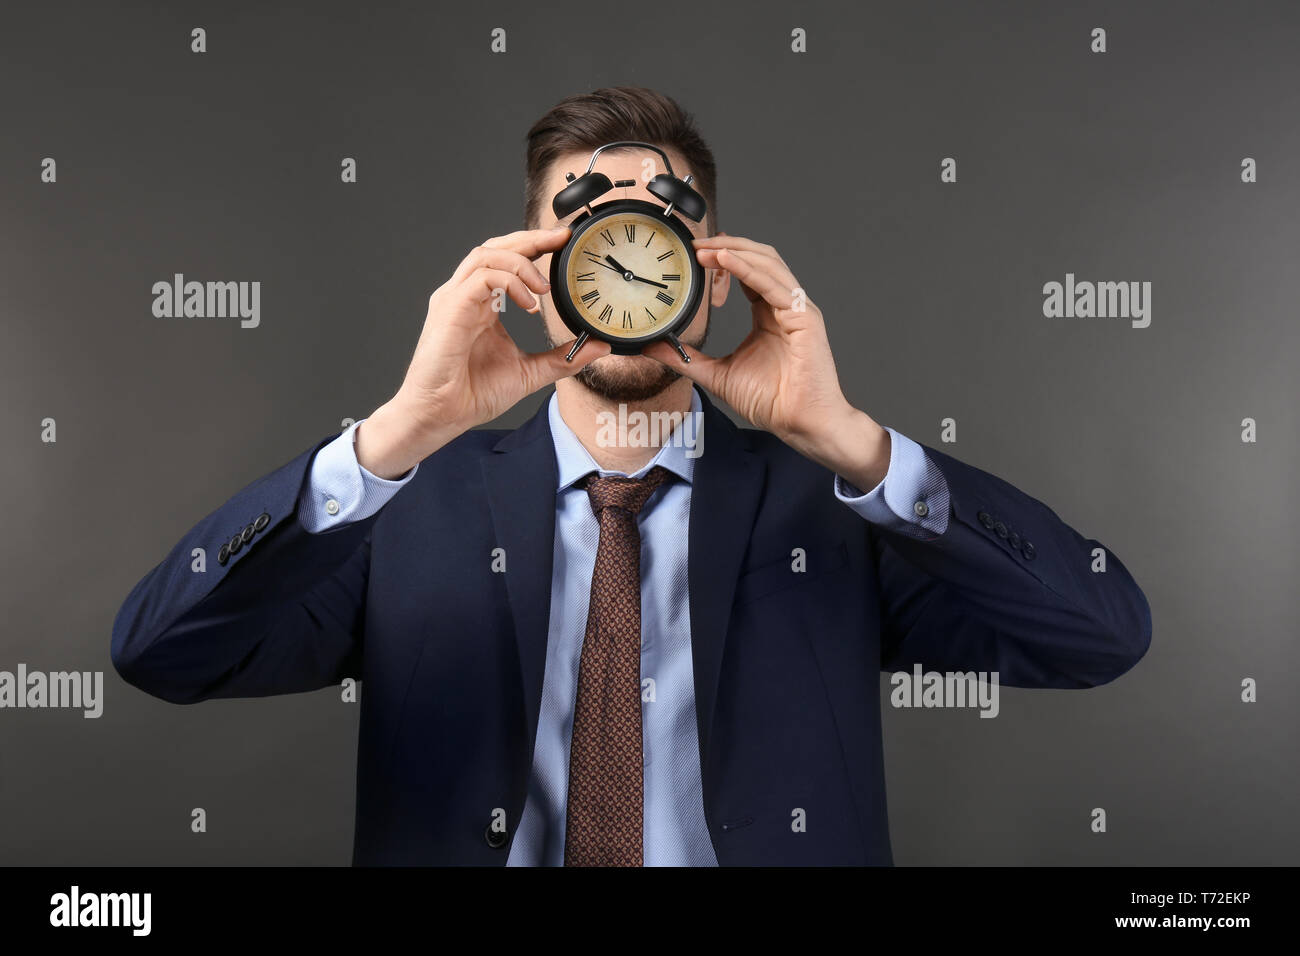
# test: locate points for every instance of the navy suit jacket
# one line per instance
(786, 665)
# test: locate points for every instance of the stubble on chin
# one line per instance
(615, 382)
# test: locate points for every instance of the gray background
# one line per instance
(1122, 166)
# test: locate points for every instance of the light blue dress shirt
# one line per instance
(339, 491)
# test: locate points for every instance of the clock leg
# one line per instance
(678, 346)
(577, 344)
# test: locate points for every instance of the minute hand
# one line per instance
(649, 282)
(627, 273)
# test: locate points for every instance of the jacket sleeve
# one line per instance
(1007, 586)
(281, 614)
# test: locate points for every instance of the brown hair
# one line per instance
(588, 121)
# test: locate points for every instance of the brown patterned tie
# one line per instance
(603, 819)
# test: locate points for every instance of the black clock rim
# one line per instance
(574, 320)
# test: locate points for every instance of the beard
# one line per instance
(630, 378)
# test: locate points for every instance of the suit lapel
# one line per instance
(520, 478)
(726, 488)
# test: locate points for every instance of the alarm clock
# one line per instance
(628, 274)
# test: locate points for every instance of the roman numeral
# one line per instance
(670, 277)
(594, 258)
(670, 252)
(648, 241)
(630, 229)
(586, 277)
(606, 312)
(665, 298)
(652, 315)
(609, 236)
(627, 319)
(591, 296)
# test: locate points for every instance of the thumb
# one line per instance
(702, 369)
(545, 368)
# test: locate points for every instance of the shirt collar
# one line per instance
(574, 461)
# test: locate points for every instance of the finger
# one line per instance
(506, 260)
(702, 369)
(483, 285)
(544, 368)
(759, 274)
(531, 242)
(740, 244)
(709, 259)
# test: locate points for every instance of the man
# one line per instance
(576, 652)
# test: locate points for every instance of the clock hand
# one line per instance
(628, 274)
(650, 282)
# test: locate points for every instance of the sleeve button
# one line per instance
(921, 509)
(332, 507)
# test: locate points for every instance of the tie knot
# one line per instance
(628, 494)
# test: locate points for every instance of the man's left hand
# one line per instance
(782, 377)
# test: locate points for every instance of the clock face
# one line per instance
(630, 275)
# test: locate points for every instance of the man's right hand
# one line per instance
(467, 369)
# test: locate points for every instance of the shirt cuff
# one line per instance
(339, 491)
(912, 499)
